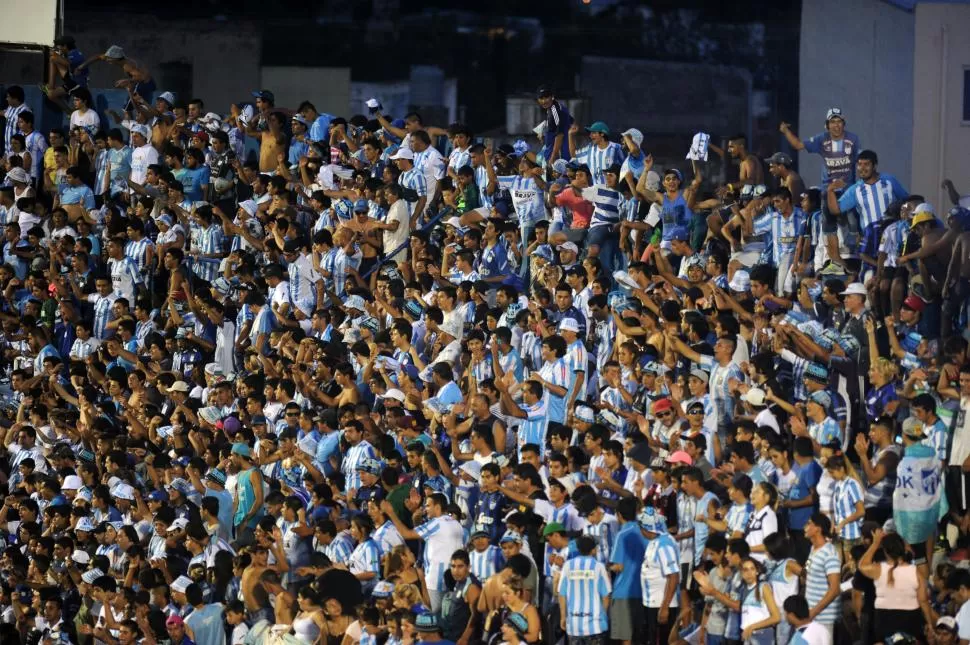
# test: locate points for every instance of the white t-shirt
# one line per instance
(961, 436)
(963, 622)
(398, 212)
(90, 120)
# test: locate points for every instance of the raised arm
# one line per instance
(792, 138)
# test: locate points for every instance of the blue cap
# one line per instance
(158, 496)
(679, 233)
(242, 450)
(361, 206)
(816, 372)
(427, 622)
(258, 419)
(217, 476)
(544, 251)
(266, 95)
(598, 126)
(822, 398)
(414, 308)
(435, 485)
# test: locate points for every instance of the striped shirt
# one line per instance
(36, 145)
(485, 564)
(599, 159)
(577, 358)
(605, 337)
(785, 232)
(871, 200)
(558, 374)
(102, 314)
(825, 431)
(481, 179)
(660, 560)
(604, 532)
(880, 494)
(701, 530)
(822, 562)
(526, 197)
(416, 181)
(459, 158)
(212, 241)
(720, 388)
(366, 557)
(11, 114)
(124, 278)
(686, 507)
(846, 495)
(584, 583)
(892, 241)
(137, 250)
(342, 547)
(606, 205)
(355, 456)
(442, 536)
(101, 182)
(534, 427)
(737, 517)
(303, 281)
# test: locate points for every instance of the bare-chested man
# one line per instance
(139, 79)
(750, 171)
(255, 596)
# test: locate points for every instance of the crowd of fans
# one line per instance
(278, 376)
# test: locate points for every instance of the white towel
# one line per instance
(698, 147)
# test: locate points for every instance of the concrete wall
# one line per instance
(328, 88)
(940, 137)
(858, 55)
(215, 61)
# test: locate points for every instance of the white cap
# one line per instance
(72, 482)
(403, 153)
(924, 207)
(178, 525)
(473, 469)
(168, 97)
(855, 289)
(123, 491)
(179, 386)
(568, 246)
(453, 221)
(139, 128)
(249, 206)
(181, 583)
(634, 134)
(81, 557)
(741, 281)
(568, 483)
(755, 396)
(395, 394)
(569, 324)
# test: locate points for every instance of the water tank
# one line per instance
(427, 85)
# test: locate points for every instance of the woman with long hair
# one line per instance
(309, 623)
(514, 602)
(400, 568)
(762, 522)
(902, 594)
(759, 612)
(848, 503)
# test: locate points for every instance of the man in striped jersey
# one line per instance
(823, 574)
(413, 181)
(140, 249)
(15, 106)
(125, 279)
(461, 138)
(837, 147)
(659, 575)
(584, 596)
(428, 161)
(871, 195)
(787, 226)
(600, 154)
(211, 245)
(601, 240)
(534, 410)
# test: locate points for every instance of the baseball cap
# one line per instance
(168, 97)
(544, 91)
(383, 589)
(258, 420)
(158, 496)
(81, 557)
(585, 414)
(598, 126)
(913, 427)
(779, 159)
(914, 302)
(755, 396)
(855, 289)
(241, 449)
(299, 118)
(661, 405)
(680, 457)
(634, 134)
(834, 113)
(216, 475)
(816, 372)
(700, 374)
(821, 398)
(947, 622)
(91, 575)
(553, 527)
(179, 386)
(266, 95)
(395, 394)
(679, 233)
(72, 482)
(178, 525)
(426, 622)
(403, 153)
(511, 536)
(249, 206)
(568, 246)
(361, 206)
(923, 216)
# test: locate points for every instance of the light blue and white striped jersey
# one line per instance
(124, 278)
(481, 179)
(511, 362)
(846, 495)
(826, 431)
(936, 438)
(101, 182)
(485, 564)
(119, 169)
(599, 159)
(415, 180)
(137, 250)
(701, 530)
(36, 145)
(737, 517)
(211, 240)
(871, 200)
(785, 232)
(102, 314)
(534, 427)
(340, 550)
(442, 536)
(11, 114)
(558, 374)
(719, 385)
(686, 507)
(482, 369)
(661, 559)
(303, 280)
(823, 562)
(365, 557)
(459, 158)
(604, 532)
(577, 358)
(892, 241)
(527, 197)
(605, 338)
(355, 456)
(386, 536)
(584, 583)
(45, 351)
(606, 205)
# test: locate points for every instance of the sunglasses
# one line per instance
(662, 415)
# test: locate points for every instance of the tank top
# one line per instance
(455, 611)
(902, 594)
(781, 585)
(753, 610)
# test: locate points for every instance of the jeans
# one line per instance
(606, 240)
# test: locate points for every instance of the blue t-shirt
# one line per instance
(808, 476)
(628, 550)
(194, 181)
(838, 157)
